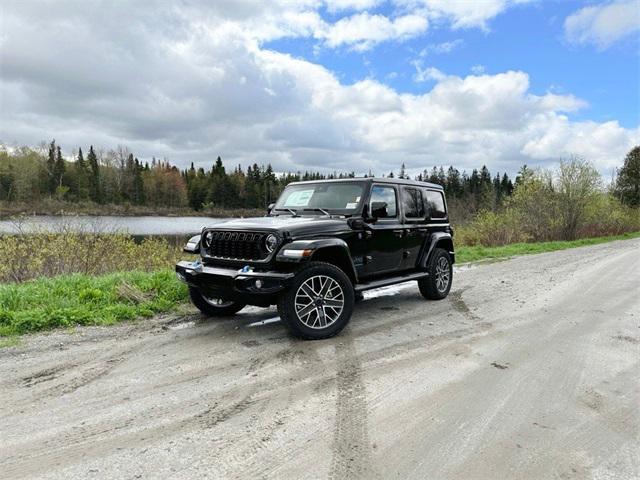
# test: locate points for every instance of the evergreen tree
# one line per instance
(82, 177)
(497, 189)
(402, 173)
(454, 185)
(51, 168)
(442, 178)
(58, 168)
(138, 184)
(506, 185)
(95, 193)
(627, 187)
(433, 177)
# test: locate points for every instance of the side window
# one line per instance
(412, 203)
(383, 202)
(435, 204)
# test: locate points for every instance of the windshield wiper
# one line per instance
(316, 209)
(290, 210)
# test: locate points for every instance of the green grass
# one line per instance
(476, 253)
(70, 300)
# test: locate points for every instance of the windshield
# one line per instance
(338, 198)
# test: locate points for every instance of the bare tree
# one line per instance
(577, 185)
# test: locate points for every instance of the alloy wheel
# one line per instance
(319, 301)
(443, 274)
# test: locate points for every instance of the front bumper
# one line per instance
(232, 283)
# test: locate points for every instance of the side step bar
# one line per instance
(385, 282)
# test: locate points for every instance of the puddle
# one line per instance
(180, 326)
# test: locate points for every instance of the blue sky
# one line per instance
(528, 37)
(329, 85)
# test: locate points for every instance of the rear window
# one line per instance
(412, 203)
(435, 204)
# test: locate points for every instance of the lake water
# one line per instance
(137, 226)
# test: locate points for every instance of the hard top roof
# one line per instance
(394, 181)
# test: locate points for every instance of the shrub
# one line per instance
(492, 229)
(33, 254)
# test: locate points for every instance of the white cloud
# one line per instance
(340, 5)
(363, 30)
(191, 85)
(463, 13)
(478, 69)
(440, 48)
(425, 74)
(603, 25)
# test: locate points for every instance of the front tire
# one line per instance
(437, 285)
(214, 307)
(319, 302)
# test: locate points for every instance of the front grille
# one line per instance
(234, 245)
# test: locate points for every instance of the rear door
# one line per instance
(414, 225)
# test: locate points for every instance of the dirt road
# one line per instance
(530, 369)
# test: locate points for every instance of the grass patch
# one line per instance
(12, 341)
(466, 254)
(70, 300)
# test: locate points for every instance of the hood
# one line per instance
(294, 225)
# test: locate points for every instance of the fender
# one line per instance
(193, 245)
(332, 250)
(430, 244)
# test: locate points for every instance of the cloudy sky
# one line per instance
(326, 84)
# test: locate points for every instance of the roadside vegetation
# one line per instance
(564, 204)
(70, 300)
(39, 253)
(476, 253)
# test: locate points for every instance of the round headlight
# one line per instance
(271, 242)
(208, 238)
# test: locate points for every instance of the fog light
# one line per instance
(258, 283)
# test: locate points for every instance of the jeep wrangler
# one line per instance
(319, 247)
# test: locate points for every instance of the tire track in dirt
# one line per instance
(351, 445)
(90, 445)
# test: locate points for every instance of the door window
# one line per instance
(383, 202)
(412, 203)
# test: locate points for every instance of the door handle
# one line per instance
(398, 233)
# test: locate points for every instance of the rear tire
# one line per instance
(319, 302)
(214, 307)
(437, 285)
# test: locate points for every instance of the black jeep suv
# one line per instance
(320, 245)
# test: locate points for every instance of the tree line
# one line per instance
(117, 177)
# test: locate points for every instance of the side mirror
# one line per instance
(270, 207)
(366, 218)
(379, 209)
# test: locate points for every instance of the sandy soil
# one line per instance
(528, 370)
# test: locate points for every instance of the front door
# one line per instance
(383, 252)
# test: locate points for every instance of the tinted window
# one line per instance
(412, 203)
(383, 202)
(435, 204)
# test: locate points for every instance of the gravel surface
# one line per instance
(528, 370)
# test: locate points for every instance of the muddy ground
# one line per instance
(530, 369)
